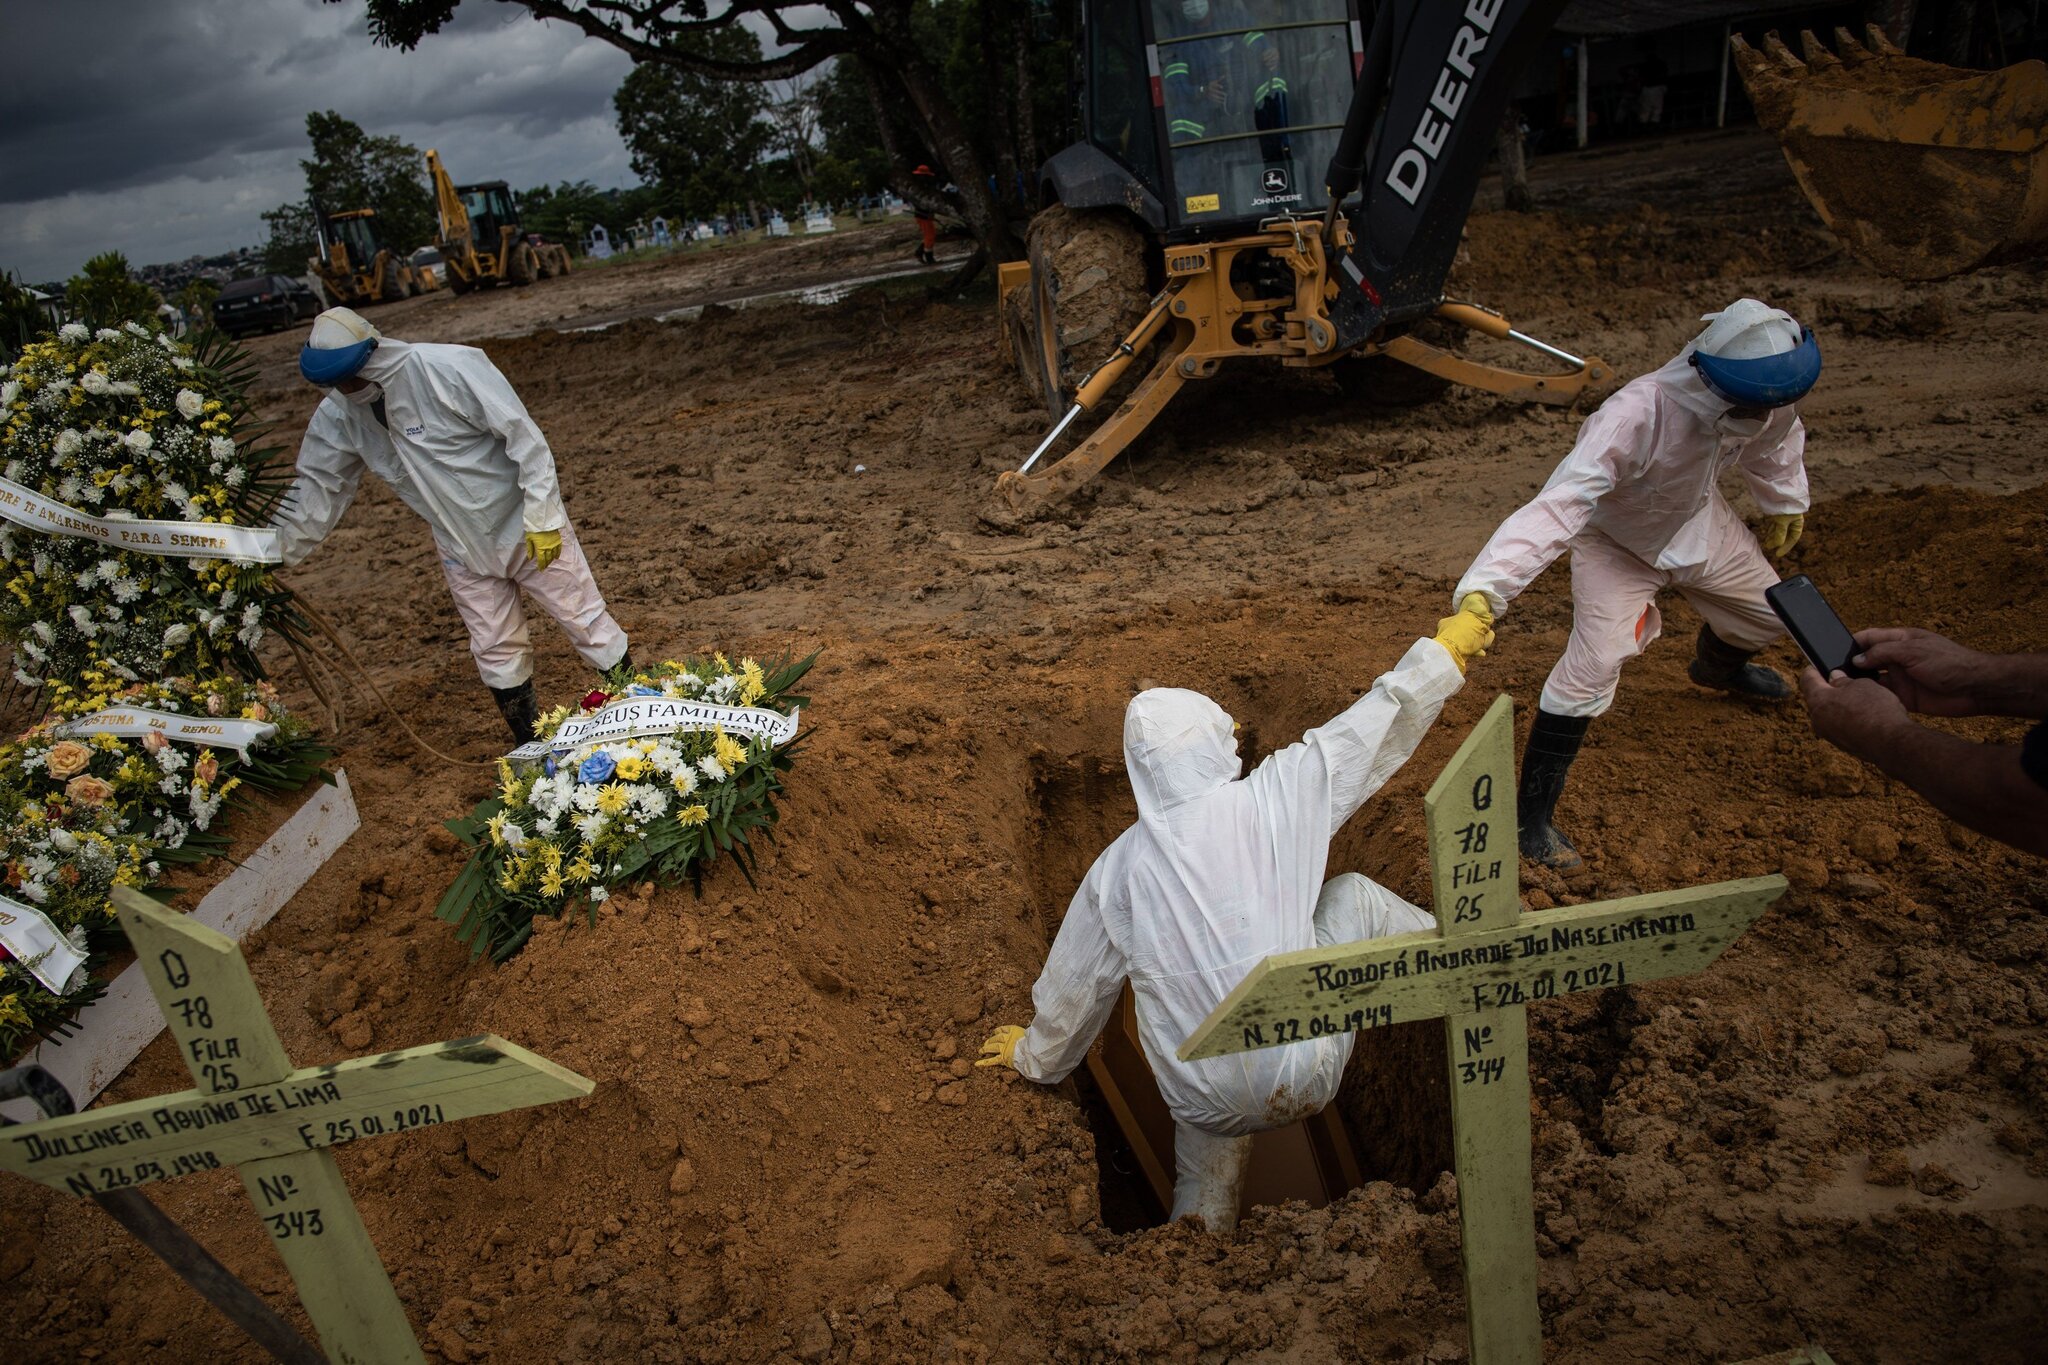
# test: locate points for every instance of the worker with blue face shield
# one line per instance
(444, 428)
(1639, 505)
(1221, 871)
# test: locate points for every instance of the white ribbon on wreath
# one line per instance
(638, 717)
(170, 539)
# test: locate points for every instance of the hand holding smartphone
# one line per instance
(1813, 624)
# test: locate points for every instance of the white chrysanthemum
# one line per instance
(235, 476)
(64, 841)
(68, 488)
(26, 679)
(177, 635)
(183, 362)
(252, 613)
(515, 837)
(74, 332)
(250, 636)
(190, 404)
(81, 617)
(45, 632)
(650, 803)
(169, 759)
(9, 391)
(107, 334)
(221, 448)
(589, 826)
(68, 443)
(126, 589)
(135, 329)
(228, 599)
(711, 767)
(14, 471)
(36, 653)
(585, 797)
(685, 780)
(94, 382)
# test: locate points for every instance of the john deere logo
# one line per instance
(1275, 181)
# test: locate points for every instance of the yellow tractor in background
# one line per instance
(480, 240)
(1923, 170)
(356, 267)
(1275, 180)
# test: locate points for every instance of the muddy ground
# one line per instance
(1838, 1134)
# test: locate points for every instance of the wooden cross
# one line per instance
(254, 1111)
(1478, 973)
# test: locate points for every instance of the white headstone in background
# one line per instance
(598, 246)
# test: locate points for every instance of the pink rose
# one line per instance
(207, 768)
(67, 758)
(88, 791)
(259, 712)
(215, 705)
(155, 742)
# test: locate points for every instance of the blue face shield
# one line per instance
(1769, 381)
(328, 368)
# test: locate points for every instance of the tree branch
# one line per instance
(820, 48)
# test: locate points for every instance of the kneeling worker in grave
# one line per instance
(1219, 872)
(443, 427)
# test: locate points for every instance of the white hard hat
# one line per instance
(338, 328)
(1747, 329)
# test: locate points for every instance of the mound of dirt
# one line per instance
(1837, 1134)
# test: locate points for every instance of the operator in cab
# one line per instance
(444, 428)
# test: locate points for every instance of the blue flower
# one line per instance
(547, 764)
(641, 690)
(597, 767)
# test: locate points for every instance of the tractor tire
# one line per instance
(544, 259)
(1089, 288)
(1383, 382)
(524, 267)
(458, 283)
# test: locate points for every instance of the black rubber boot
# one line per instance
(624, 668)
(1720, 664)
(517, 706)
(1553, 744)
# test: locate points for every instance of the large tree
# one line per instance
(891, 40)
(104, 294)
(353, 169)
(697, 138)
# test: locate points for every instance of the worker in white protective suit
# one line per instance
(1218, 873)
(443, 427)
(1639, 505)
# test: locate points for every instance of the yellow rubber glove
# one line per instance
(1001, 1047)
(1476, 603)
(1464, 636)
(1781, 533)
(544, 546)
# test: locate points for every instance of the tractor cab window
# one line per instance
(1120, 109)
(356, 237)
(1254, 94)
(489, 208)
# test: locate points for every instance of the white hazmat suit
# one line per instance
(1217, 874)
(1639, 504)
(457, 446)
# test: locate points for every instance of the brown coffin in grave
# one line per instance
(1312, 1161)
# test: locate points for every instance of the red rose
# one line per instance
(5, 955)
(594, 700)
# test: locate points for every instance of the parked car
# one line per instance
(427, 260)
(263, 304)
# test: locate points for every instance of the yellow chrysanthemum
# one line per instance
(551, 884)
(613, 797)
(632, 768)
(730, 753)
(580, 870)
(508, 781)
(753, 683)
(496, 825)
(689, 816)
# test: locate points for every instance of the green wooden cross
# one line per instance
(1478, 973)
(254, 1111)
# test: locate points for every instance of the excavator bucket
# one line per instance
(1923, 170)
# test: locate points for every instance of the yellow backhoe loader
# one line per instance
(481, 243)
(1923, 170)
(355, 265)
(1196, 220)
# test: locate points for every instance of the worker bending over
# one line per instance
(443, 427)
(1639, 504)
(1218, 873)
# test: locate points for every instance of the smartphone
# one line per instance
(1813, 623)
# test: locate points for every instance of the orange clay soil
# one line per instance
(1837, 1134)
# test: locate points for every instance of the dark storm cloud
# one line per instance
(164, 127)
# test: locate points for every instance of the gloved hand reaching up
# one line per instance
(1466, 635)
(544, 546)
(1001, 1047)
(1781, 533)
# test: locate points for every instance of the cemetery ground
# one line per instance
(1838, 1133)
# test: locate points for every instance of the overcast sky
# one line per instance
(163, 128)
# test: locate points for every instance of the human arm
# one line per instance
(1935, 676)
(1336, 767)
(1535, 534)
(487, 400)
(329, 473)
(1076, 990)
(1774, 466)
(1984, 787)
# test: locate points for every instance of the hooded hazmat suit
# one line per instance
(1217, 874)
(457, 446)
(1638, 502)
